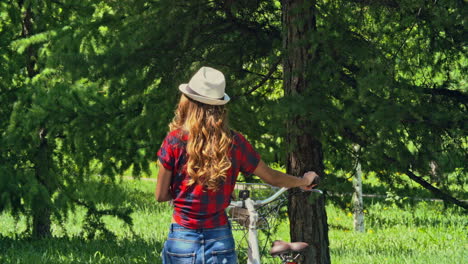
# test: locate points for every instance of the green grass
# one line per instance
(422, 232)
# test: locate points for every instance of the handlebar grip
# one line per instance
(314, 190)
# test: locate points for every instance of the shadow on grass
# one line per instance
(77, 250)
(70, 246)
(137, 195)
(338, 227)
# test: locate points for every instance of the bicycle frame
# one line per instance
(254, 252)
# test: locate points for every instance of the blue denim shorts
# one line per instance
(199, 246)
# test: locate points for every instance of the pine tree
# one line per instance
(43, 112)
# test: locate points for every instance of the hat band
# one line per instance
(195, 93)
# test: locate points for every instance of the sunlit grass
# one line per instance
(425, 233)
(421, 232)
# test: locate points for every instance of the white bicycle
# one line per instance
(244, 214)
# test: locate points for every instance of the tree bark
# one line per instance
(41, 210)
(358, 205)
(26, 31)
(307, 216)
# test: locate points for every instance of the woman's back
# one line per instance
(195, 205)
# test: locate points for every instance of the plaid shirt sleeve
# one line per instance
(249, 157)
(166, 154)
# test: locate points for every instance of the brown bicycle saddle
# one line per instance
(280, 247)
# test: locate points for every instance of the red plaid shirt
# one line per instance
(195, 206)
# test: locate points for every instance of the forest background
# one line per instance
(87, 89)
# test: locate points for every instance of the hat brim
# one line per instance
(203, 99)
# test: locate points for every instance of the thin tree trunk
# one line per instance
(307, 216)
(358, 205)
(434, 172)
(26, 31)
(41, 210)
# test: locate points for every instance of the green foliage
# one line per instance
(89, 87)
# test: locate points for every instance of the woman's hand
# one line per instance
(312, 179)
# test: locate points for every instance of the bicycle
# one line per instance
(244, 213)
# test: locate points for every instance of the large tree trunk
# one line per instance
(307, 216)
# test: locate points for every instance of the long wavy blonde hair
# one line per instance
(209, 141)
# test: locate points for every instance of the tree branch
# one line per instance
(386, 3)
(265, 79)
(452, 94)
(262, 81)
(437, 192)
(348, 133)
(261, 75)
(246, 26)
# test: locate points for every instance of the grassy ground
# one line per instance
(422, 232)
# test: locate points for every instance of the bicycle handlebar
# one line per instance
(271, 198)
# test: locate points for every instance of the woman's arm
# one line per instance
(162, 193)
(280, 179)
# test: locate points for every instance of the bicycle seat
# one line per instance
(281, 247)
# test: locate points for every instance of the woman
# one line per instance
(199, 161)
